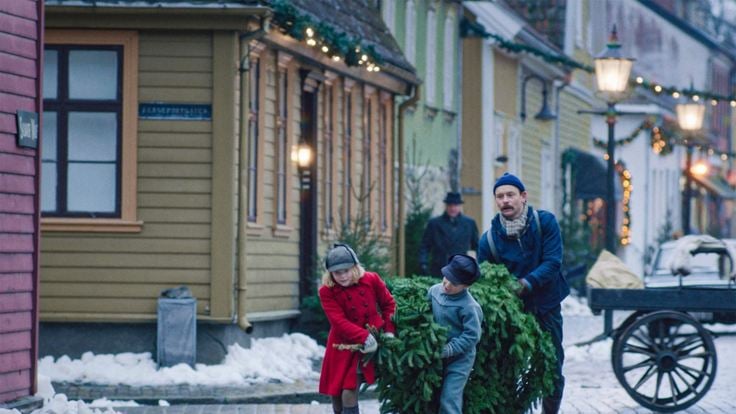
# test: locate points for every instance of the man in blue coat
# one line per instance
(529, 244)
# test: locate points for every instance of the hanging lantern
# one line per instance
(612, 70)
(690, 116)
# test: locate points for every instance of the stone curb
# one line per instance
(299, 393)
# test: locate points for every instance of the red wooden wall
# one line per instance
(21, 47)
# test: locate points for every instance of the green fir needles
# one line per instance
(514, 365)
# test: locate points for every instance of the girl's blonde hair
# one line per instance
(357, 270)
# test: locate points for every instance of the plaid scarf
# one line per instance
(515, 228)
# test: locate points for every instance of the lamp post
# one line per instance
(612, 72)
(690, 118)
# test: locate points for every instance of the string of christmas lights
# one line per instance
(693, 94)
(339, 46)
(625, 177)
(663, 139)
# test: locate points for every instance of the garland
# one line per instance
(336, 44)
(467, 27)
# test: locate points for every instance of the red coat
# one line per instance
(349, 310)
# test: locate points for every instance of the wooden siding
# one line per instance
(272, 258)
(121, 275)
(20, 29)
(272, 253)
(471, 174)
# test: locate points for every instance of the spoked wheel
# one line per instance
(666, 361)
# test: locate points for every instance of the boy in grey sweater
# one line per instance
(454, 307)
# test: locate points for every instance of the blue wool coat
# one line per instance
(534, 256)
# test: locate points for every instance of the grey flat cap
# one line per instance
(340, 257)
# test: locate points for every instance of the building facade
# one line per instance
(428, 33)
(198, 186)
(21, 54)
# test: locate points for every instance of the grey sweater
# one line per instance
(462, 315)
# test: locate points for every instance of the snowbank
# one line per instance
(283, 359)
(575, 306)
(59, 403)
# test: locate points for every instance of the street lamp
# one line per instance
(612, 71)
(690, 118)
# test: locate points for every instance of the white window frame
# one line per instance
(389, 15)
(430, 69)
(579, 38)
(448, 72)
(410, 38)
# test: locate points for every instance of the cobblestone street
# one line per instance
(591, 386)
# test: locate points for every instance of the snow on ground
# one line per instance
(59, 403)
(575, 306)
(285, 359)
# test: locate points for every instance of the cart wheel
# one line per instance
(616, 333)
(666, 361)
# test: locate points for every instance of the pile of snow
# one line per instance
(285, 359)
(575, 306)
(59, 403)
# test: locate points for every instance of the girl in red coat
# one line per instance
(353, 300)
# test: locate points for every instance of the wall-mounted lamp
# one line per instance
(699, 169)
(301, 154)
(544, 114)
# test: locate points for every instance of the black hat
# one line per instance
(453, 198)
(340, 257)
(461, 269)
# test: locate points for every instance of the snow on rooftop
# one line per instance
(284, 359)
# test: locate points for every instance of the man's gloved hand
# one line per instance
(370, 345)
(522, 288)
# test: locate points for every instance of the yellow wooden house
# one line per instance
(171, 135)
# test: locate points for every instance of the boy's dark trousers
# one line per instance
(551, 322)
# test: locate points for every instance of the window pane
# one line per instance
(50, 74)
(91, 187)
(48, 186)
(48, 143)
(93, 136)
(93, 74)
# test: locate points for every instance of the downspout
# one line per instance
(402, 236)
(557, 176)
(242, 281)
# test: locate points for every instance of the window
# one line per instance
(347, 156)
(329, 153)
(578, 5)
(389, 14)
(431, 64)
(253, 139)
(90, 125)
(411, 32)
(282, 168)
(448, 70)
